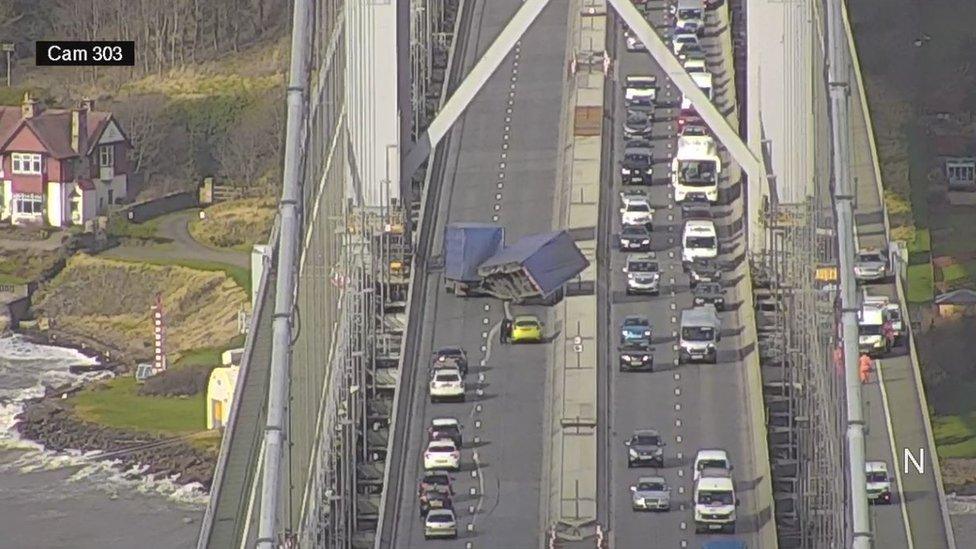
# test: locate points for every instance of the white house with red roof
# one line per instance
(60, 167)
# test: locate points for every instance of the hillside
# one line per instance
(205, 97)
(109, 302)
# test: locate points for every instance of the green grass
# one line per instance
(955, 436)
(11, 279)
(240, 275)
(922, 242)
(116, 403)
(920, 280)
(121, 227)
(209, 356)
(954, 272)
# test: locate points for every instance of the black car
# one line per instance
(446, 427)
(710, 293)
(636, 168)
(691, 51)
(636, 359)
(638, 124)
(645, 447)
(449, 357)
(635, 238)
(704, 270)
(432, 499)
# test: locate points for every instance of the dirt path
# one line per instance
(175, 228)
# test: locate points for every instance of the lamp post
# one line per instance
(7, 48)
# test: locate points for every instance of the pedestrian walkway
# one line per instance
(894, 401)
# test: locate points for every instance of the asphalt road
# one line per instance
(500, 163)
(693, 406)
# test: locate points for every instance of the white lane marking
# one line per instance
(894, 456)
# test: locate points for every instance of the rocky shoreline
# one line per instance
(51, 422)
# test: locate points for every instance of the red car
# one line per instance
(689, 117)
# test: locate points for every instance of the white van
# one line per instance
(699, 240)
(715, 502)
(695, 169)
(704, 82)
(701, 330)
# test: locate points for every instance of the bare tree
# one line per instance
(252, 148)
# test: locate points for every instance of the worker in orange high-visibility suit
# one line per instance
(865, 367)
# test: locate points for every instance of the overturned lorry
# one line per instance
(535, 268)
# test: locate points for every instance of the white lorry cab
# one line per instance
(701, 330)
(699, 240)
(695, 168)
(878, 482)
(704, 82)
(715, 502)
(870, 322)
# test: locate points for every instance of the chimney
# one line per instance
(29, 108)
(79, 130)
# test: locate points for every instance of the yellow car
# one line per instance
(526, 329)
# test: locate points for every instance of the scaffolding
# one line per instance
(371, 273)
(431, 34)
(802, 387)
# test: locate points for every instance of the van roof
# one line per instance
(713, 454)
(703, 315)
(700, 226)
(871, 315)
(714, 483)
(640, 79)
(875, 467)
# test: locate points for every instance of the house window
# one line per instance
(31, 204)
(25, 163)
(106, 156)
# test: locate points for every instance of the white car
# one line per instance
(700, 240)
(447, 384)
(636, 211)
(878, 482)
(679, 41)
(440, 523)
(711, 459)
(640, 91)
(633, 43)
(695, 66)
(442, 454)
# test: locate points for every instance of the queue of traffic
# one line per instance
(695, 167)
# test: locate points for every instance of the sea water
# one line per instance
(67, 500)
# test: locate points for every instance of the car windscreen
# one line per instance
(870, 329)
(634, 323)
(700, 242)
(709, 288)
(712, 464)
(698, 333)
(447, 377)
(647, 440)
(436, 479)
(689, 14)
(638, 207)
(636, 158)
(440, 448)
(651, 487)
(526, 324)
(636, 118)
(870, 258)
(440, 517)
(697, 172)
(709, 497)
(877, 476)
(642, 267)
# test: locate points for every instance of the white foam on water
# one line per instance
(26, 369)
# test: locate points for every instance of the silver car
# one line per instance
(651, 494)
(870, 265)
(440, 523)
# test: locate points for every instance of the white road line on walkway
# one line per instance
(894, 456)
